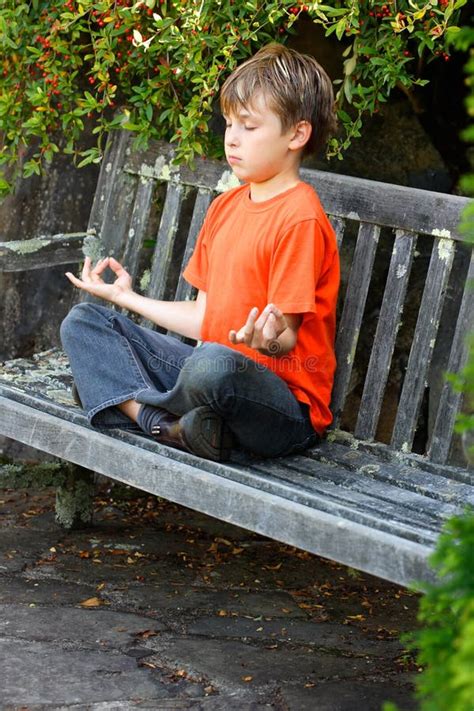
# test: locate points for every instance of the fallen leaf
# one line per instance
(222, 613)
(91, 602)
(147, 633)
(148, 664)
(246, 678)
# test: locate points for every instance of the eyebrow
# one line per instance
(242, 114)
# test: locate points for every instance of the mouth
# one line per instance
(233, 159)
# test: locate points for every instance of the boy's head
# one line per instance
(295, 87)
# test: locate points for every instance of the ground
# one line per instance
(158, 607)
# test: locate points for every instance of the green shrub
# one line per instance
(446, 640)
(160, 64)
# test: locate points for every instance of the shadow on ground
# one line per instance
(158, 607)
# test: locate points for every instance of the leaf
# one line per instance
(247, 678)
(91, 602)
(350, 65)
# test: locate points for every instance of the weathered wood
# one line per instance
(42, 252)
(203, 200)
(339, 227)
(450, 400)
(113, 198)
(384, 204)
(423, 343)
(351, 319)
(386, 453)
(435, 484)
(138, 224)
(165, 241)
(110, 181)
(386, 333)
(138, 462)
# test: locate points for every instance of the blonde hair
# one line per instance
(295, 86)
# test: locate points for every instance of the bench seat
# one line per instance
(365, 506)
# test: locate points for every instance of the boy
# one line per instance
(267, 272)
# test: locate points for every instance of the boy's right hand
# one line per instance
(92, 282)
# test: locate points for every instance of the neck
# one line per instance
(259, 192)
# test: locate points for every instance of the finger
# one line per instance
(269, 330)
(86, 269)
(262, 319)
(116, 267)
(232, 336)
(240, 336)
(249, 326)
(74, 280)
(101, 265)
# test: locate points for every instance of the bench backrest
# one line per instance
(148, 212)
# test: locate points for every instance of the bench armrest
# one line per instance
(41, 252)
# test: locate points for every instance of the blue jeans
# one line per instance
(113, 360)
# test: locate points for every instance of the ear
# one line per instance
(300, 135)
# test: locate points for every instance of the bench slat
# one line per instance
(164, 242)
(339, 226)
(360, 509)
(385, 453)
(107, 190)
(42, 252)
(113, 200)
(450, 400)
(386, 333)
(433, 485)
(203, 200)
(138, 223)
(351, 318)
(393, 510)
(184, 291)
(423, 343)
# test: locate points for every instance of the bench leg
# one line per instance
(74, 498)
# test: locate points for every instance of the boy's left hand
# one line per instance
(261, 332)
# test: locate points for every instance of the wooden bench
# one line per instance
(375, 493)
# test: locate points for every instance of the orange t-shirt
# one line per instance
(281, 251)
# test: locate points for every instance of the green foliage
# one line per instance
(445, 643)
(155, 66)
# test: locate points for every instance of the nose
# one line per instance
(231, 136)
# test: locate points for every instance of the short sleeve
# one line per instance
(295, 268)
(196, 269)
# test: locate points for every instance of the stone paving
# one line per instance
(158, 607)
